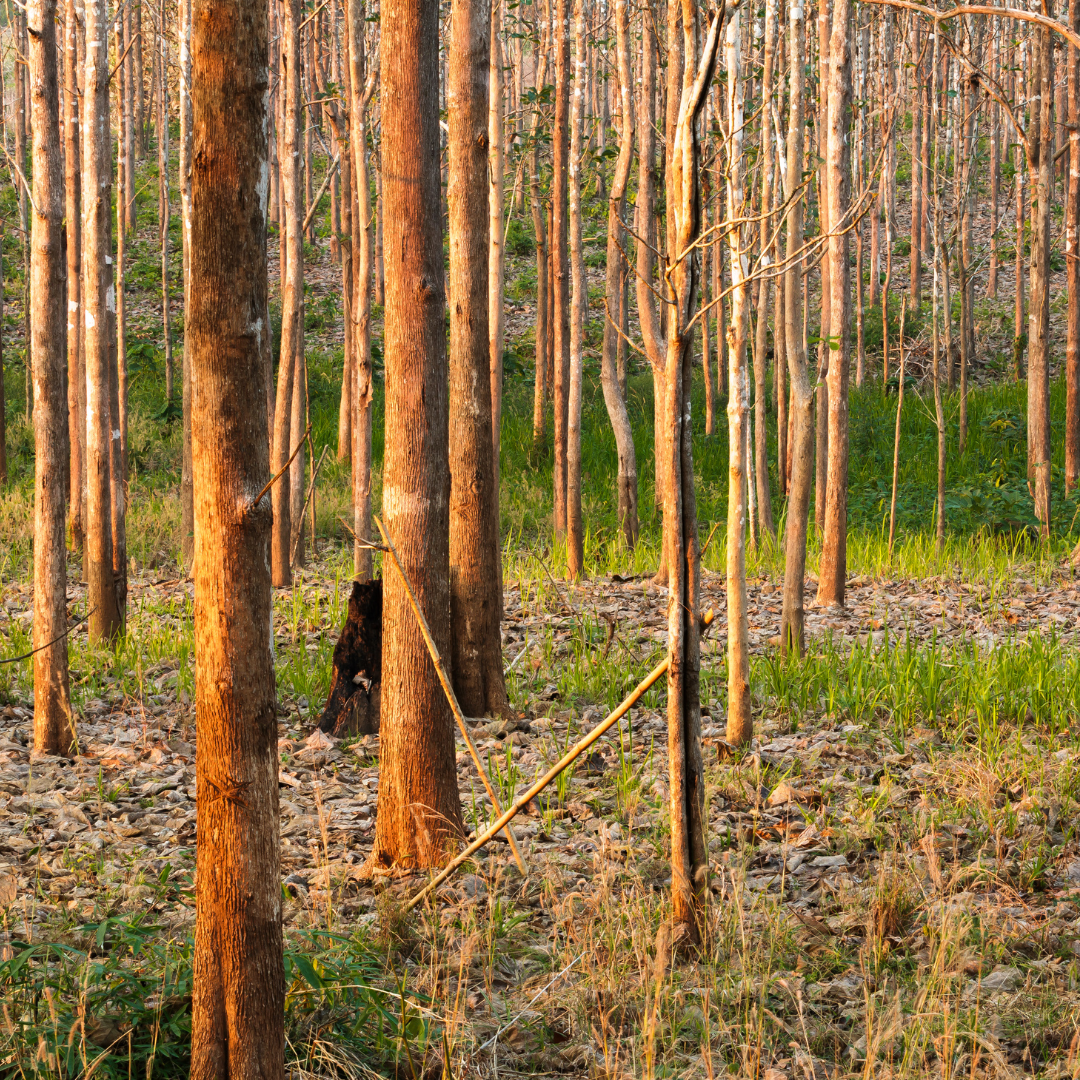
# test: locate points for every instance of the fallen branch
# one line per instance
(567, 759)
(311, 491)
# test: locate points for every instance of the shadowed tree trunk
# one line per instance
(614, 395)
(106, 620)
(543, 299)
(53, 724)
(419, 809)
(238, 999)
(474, 524)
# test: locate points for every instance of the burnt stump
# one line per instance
(352, 706)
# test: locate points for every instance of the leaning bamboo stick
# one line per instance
(566, 760)
(459, 716)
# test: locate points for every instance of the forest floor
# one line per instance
(894, 861)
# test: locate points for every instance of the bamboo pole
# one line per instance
(566, 760)
(459, 716)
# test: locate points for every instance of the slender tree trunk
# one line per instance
(106, 619)
(496, 253)
(238, 999)
(128, 121)
(419, 812)
(476, 652)
(292, 290)
(187, 497)
(610, 380)
(21, 118)
(1072, 264)
(297, 424)
(802, 395)
(76, 373)
(941, 266)
(575, 540)
(740, 724)
(832, 572)
(918, 179)
(543, 299)
(560, 308)
(53, 721)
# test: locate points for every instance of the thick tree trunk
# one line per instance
(832, 572)
(53, 721)
(474, 509)
(292, 291)
(419, 811)
(614, 395)
(238, 999)
(106, 620)
(740, 724)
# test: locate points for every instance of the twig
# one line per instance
(311, 491)
(566, 760)
(459, 716)
(26, 656)
(322, 191)
(277, 476)
(716, 525)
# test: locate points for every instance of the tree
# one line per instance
(614, 399)
(419, 808)
(1072, 263)
(53, 731)
(106, 618)
(76, 373)
(292, 290)
(476, 654)
(832, 573)
(239, 993)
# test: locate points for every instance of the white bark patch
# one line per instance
(90, 323)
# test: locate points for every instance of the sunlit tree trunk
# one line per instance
(53, 722)
(76, 373)
(1072, 264)
(187, 505)
(419, 809)
(543, 299)
(238, 998)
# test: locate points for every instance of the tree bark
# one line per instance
(614, 397)
(543, 299)
(238, 999)
(106, 620)
(187, 505)
(76, 373)
(419, 810)
(1072, 264)
(53, 722)
(476, 654)
(832, 572)
(292, 291)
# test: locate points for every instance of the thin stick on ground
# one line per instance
(455, 708)
(310, 493)
(564, 762)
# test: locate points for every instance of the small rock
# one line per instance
(828, 862)
(1003, 978)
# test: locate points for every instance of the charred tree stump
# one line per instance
(352, 706)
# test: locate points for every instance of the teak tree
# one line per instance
(238, 999)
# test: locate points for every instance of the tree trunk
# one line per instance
(18, 17)
(543, 299)
(187, 504)
(1072, 264)
(474, 509)
(575, 539)
(614, 395)
(832, 572)
(53, 721)
(128, 122)
(164, 205)
(105, 621)
(496, 253)
(740, 724)
(560, 308)
(238, 1000)
(792, 617)
(292, 291)
(419, 810)
(76, 373)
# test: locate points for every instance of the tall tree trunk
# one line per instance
(127, 105)
(106, 619)
(496, 252)
(21, 119)
(1040, 163)
(792, 617)
(575, 539)
(474, 509)
(419, 811)
(238, 999)
(292, 292)
(53, 721)
(543, 299)
(560, 308)
(832, 572)
(164, 204)
(76, 372)
(740, 723)
(1072, 264)
(614, 395)
(918, 179)
(187, 503)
